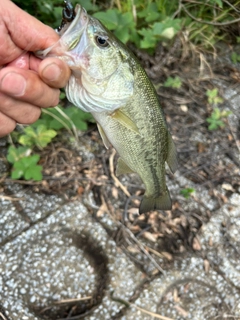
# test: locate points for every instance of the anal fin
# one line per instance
(122, 168)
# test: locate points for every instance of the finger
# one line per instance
(25, 85)
(54, 72)
(19, 111)
(7, 125)
(20, 31)
(21, 62)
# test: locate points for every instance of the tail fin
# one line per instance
(163, 202)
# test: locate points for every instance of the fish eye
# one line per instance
(101, 41)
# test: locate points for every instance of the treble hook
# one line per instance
(68, 14)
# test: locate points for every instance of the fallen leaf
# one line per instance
(196, 244)
(184, 108)
(103, 209)
(115, 192)
(201, 147)
(210, 241)
(80, 190)
(228, 187)
(149, 236)
(206, 265)
(167, 255)
(181, 311)
(133, 249)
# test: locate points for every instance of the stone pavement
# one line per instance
(52, 250)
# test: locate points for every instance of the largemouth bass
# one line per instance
(108, 81)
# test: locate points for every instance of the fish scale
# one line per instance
(108, 81)
(146, 162)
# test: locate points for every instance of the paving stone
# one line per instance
(35, 205)
(187, 292)
(11, 223)
(221, 240)
(49, 262)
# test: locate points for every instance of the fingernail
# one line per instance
(51, 72)
(14, 84)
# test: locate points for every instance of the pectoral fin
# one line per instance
(122, 167)
(172, 155)
(125, 121)
(103, 136)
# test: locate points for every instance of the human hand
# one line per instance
(27, 83)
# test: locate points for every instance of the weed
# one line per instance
(213, 97)
(24, 165)
(215, 120)
(173, 82)
(186, 192)
(145, 22)
(23, 158)
(235, 57)
(38, 136)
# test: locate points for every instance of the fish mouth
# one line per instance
(78, 24)
(70, 36)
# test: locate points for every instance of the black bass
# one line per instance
(108, 81)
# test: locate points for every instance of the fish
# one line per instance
(108, 81)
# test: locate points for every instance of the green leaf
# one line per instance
(62, 95)
(109, 18)
(225, 113)
(149, 41)
(27, 168)
(14, 154)
(215, 121)
(33, 172)
(43, 120)
(167, 28)
(218, 2)
(30, 132)
(89, 5)
(214, 124)
(150, 13)
(122, 34)
(212, 93)
(28, 139)
(79, 117)
(213, 97)
(135, 37)
(80, 124)
(235, 57)
(30, 161)
(39, 136)
(187, 192)
(173, 82)
(17, 173)
(125, 25)
(44, 136)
